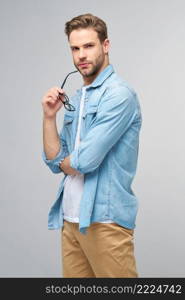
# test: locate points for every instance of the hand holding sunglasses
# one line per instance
(66, 103)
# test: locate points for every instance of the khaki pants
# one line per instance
(106, 250)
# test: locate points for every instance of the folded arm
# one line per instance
(114, 116)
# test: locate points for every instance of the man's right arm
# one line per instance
(51, 141)
(54, 147)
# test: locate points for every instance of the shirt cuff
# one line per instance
(55, 162)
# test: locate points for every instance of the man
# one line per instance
(97, 151)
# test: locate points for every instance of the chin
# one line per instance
(89, 74)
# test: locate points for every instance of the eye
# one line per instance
(89, 46)
(74, 48)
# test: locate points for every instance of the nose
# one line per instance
(82, 54)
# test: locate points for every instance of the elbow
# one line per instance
(54, 163)
(54, 169)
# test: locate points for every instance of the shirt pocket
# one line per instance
(68, 119)
(89, 115)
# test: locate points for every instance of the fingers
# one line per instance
(54, 94)
(55, 91)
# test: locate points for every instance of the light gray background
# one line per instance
(147, 49)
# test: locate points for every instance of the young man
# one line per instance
(97, 151)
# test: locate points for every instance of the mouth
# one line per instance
(83, 65)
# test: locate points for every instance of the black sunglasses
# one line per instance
(66, 103)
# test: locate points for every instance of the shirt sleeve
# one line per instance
(115, 115)
(54, 163)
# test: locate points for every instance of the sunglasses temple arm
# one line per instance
(64, 82)
(66, 79)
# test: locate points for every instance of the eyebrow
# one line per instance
(73, 46)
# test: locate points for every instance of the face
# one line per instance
(89, 54)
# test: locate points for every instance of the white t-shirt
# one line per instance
(73, 185)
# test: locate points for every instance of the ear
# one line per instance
(106, 45)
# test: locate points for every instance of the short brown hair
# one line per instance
(87, 21)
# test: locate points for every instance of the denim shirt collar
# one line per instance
(102, 76)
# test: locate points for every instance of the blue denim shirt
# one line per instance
(107, 154)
